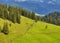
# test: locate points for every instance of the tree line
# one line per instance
(10, 13)
(53, 18)
(14, 13)
(30, 15)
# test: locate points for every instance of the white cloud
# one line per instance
(51, 2)
(38, 0)
(31, 0)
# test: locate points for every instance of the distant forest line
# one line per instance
(14, 13)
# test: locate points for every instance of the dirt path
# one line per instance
(23, 32)
(28, 29)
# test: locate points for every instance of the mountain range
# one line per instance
(39, 7)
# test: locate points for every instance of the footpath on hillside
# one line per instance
(23, 32)
(28, 28)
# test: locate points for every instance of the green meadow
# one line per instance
(29, 31)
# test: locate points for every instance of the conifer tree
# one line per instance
(18, 18)
(5, 29)
(32, 15)
(14, 18)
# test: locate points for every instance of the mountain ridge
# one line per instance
(38, 7)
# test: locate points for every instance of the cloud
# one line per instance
(51, 2)
(38, 0)
(30, 0)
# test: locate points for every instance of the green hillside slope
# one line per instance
(30, 31)
(39, 34)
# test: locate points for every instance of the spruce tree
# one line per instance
(5, 29)
(18, 18)
(32, 15)
(14, 18)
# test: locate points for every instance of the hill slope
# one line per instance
(30, 32)
(39, 34)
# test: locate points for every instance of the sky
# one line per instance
(42, 1)
(47, 4)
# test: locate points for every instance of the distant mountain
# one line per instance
(38, 7)
(53, 18)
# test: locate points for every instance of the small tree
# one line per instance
(18, 18)
(33, 15)
(5, 29)
(36, 19)
(14, 18)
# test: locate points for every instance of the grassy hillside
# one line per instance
(30, 31)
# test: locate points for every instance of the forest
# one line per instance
(13, 14)
(53, 18)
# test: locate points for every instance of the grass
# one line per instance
(37, 33)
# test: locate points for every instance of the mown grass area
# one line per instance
(30, 31)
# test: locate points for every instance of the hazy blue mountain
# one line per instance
(36, 6)
(41, 8)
